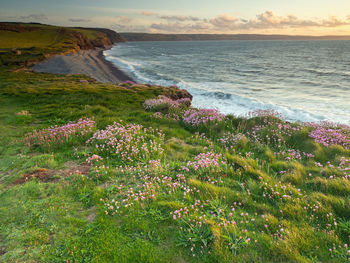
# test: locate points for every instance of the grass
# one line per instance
(232, 189)
(36, 41)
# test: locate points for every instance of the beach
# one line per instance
(88, 62)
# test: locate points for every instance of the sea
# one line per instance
(307, 81)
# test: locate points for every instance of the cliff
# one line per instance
(113, 36)
(28, 43)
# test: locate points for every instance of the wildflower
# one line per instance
(60, 134)
(195, 117)
(163, 102)
(130, 143)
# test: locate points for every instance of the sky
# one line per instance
(297, 17)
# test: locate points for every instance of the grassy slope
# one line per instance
(63, 220)
(37, 41)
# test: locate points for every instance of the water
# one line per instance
(303, 80)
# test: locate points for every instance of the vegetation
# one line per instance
(93, 172)
(24, 44)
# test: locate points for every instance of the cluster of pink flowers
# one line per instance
(344, 166)
(146, 189)
(60, 134)
(335, 171)
(229, 140)
(98, 168)
(94, 159)
(129, 82)
(280, 192)
(264, 113)
(205, 161)
(292, 154)
(196, 117)
(129, 143)
(329, 134)
(163, 102)
(170, 116)
(272, 133)
(154, 165)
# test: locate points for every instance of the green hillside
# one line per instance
(93, 172)
(28, 43)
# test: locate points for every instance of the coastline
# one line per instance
(89, 62)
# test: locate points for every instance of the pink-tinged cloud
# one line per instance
(335, 22)
(147, 13)
(123, 19)
(269, 20)
(229, 23)
(223, 21)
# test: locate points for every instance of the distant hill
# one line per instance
(196, 37)
(26, 43)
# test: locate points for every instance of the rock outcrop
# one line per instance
(176, 93)
(112, 35)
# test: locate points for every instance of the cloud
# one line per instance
(147, 13)
(180, 18)
(124, 24)
(335, 22)
(200, 26)
(174, 27)
(228, 23)
(269, 20)
(36, 17)
(129, 28)
(178, 27)
(123, 19)
(78, 20)
(223, 21)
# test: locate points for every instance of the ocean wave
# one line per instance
(288, 88)
(324, 72)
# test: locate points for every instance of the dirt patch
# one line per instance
(73, 168)
(48, 175)
(44, 175)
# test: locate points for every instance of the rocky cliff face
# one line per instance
(106, 38)
(59, 40)
(112, 35)
(176, 93)
(80, 41)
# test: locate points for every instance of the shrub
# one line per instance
(163, 103)
(196, 117)
(206, 161)
(129, 143)
(60, 134)
(329, 134)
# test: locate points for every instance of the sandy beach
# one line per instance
(87, 62)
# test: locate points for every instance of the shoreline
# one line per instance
(86, 62)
